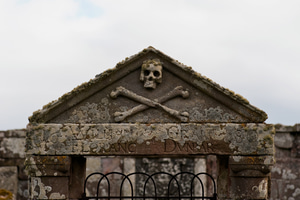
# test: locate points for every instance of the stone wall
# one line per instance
(286, 171)
(13, 179)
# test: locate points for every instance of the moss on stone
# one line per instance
(268, 139)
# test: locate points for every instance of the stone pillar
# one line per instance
(51, 177)
(77, 178)
(249, 177)
(223, 178)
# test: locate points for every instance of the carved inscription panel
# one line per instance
(151, 139)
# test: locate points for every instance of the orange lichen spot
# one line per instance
(61, 158)
(250, 160)
(5, 195)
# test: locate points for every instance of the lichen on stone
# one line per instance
(97, 138)
(211, 114)
(5, 194)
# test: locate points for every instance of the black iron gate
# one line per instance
(150, 187)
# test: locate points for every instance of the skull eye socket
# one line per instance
(146, 72)
(156, 73)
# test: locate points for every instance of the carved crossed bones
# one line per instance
(146, 103)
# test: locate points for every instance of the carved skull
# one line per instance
(151, 73)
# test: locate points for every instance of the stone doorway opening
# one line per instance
(151, 178)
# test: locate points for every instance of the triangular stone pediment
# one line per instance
(149, 87)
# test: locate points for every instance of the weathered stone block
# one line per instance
(286, 169)
(23, 192)
(9, 179)
(282, 153)
(284, 140)
(49, 188)
(12, 148)
(249, 188)
(250, 166)
(48, 165)
(285, 189)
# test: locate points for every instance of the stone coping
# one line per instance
(285, 129)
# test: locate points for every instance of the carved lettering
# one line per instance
(122, 148)
(183, 148)
(114, 148)
(108, 133)
(132, 147)
(170, 146)
(189, 147)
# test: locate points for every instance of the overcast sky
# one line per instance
(49, 47)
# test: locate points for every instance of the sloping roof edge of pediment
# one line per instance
(200, 81)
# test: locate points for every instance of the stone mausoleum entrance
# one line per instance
(149, 113)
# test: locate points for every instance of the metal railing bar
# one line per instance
(150, 177)
(174, 178)
(199, 179)
(131, 186)
(148, 197)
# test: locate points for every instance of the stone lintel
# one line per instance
(150, 139)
